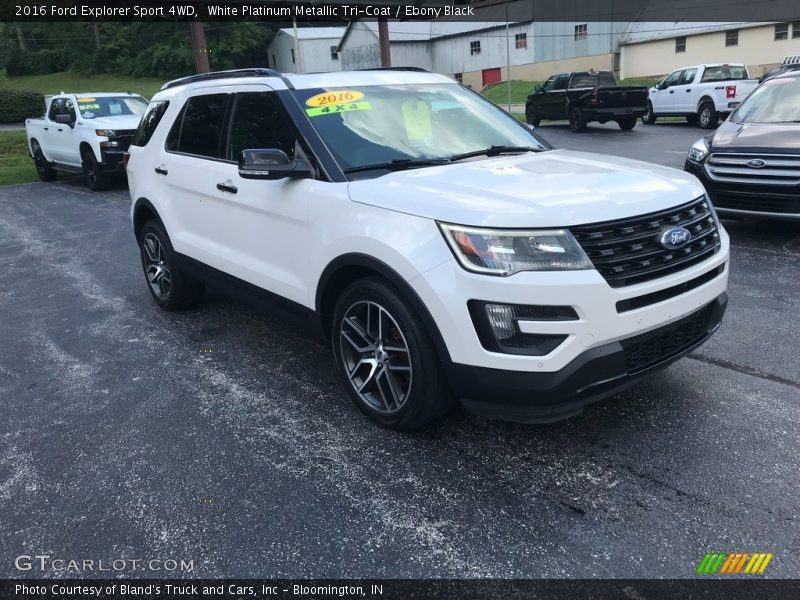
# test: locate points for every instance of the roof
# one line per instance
(95, 94)
(646, 31)
(422, 31)
(315, 33)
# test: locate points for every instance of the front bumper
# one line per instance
(112, 160)
(592, 376)
(748, 199)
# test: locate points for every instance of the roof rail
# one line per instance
(418, 69)
(258, 72)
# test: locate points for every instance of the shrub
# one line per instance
(16, 105)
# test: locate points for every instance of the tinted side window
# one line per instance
(548, 85)
(175, 132)
(69, 108)
(606, 78)
(688, 76)
(149, 122)
(561, 82)
(259, 121)
(203, 118)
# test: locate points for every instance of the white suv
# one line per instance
(446, 250)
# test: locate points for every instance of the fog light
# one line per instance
(501, 319)
(498, 331)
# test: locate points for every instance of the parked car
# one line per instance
(751, 164)
(86, 132)
(790, 63)
(701, 93)
(585, 97)
(446, 250)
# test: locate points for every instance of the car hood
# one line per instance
(757, 137)
(123, 122)
(554, 188)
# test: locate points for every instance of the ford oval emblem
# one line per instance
(757, 163)
(675, 238)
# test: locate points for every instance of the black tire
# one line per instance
(707, 116)
(627, 123)
(407, 397)
(577, 122)
(691, 119)
(93, 170)
(531, 117)
(44, 168)
(181, 291)
(649, 117)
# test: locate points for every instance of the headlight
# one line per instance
(699, 150)
(105, 132)
(508, 251)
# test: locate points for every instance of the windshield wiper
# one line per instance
(494, 151)
(400, 164)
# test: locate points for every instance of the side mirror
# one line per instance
(271, 163)
(65, 119)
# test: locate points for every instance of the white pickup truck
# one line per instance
(701, 93)
(88, 132)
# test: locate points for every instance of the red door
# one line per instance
(491, 76)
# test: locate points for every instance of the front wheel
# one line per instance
(649, 117)
(708, 117)
(93, 170)
(627, 123)
(171, 287)
(531, 116)
(576, 120)
(386, 359)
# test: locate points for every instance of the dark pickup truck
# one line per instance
(583, 97)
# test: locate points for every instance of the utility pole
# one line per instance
(383, 41)
(199, 47)
(508, 61)
(21, 38)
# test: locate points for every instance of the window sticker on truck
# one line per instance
(333, 98)
(93, 106)
(337, 108)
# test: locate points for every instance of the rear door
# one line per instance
(190, 168)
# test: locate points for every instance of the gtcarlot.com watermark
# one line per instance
(71, 566)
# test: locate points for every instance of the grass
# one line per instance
(17, 167)
(498, 93)
(77, 82)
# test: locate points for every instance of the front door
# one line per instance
(663, 96)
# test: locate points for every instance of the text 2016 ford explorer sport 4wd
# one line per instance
(448, 251)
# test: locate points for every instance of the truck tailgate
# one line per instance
(622, 97)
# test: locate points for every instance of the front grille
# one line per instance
(755, 201)
(770, 169)
(651, 348)
(123, 137)
(629, 251)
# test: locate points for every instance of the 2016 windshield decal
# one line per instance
(334, 98)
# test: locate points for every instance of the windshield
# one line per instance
(774, 101)
(111, 106)
(368, 125)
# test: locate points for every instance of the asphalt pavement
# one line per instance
(221, 435)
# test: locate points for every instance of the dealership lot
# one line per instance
(221, 435)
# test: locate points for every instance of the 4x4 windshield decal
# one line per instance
(337, 108)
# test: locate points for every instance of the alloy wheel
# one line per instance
(156, 267)
(705, 117)
(375, 357)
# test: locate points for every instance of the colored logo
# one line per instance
(734, 562)
(675, 238)
(756, 163)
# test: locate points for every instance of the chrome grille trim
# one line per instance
(779, 169)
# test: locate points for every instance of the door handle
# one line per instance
(227, 188)
(46, 128)
(689, 90)
(672, 91)
(60, 129)
(160, 171)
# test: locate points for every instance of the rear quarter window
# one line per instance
(147, 126)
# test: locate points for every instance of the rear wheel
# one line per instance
(171, 287)
(576, 120)
(531, 116)
(627, 123)
(386, 359)
(44, 168)
(708, 117)
(649, 117)
(93, 170)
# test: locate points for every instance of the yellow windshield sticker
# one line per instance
(86, 99)
(333, 98)
(417, 118)
(337, 108)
